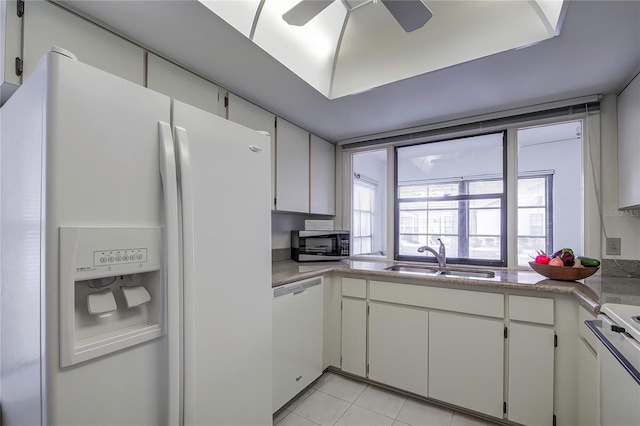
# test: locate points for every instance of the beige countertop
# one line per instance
(591, 292)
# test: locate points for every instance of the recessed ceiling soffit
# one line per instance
(344, 47)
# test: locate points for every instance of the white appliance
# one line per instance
(128, 294)
(618, 331)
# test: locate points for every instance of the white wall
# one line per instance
(617, 223)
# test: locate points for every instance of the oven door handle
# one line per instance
(594, 326)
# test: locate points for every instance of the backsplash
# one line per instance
(620, 268)
(280, 254)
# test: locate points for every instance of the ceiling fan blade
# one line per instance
(410, 14)
(304, 11)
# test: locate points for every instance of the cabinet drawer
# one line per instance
(464, 301)
(531, 309)
(354, 287)
(585, 333)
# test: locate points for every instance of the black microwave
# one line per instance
(312, 246)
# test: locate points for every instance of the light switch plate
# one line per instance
(614, 246)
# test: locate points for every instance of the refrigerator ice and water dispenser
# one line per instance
(111, 290)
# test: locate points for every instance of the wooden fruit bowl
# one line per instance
(564, 273)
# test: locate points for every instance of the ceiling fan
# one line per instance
(410, 14)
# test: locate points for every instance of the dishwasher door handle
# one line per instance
(594, 326)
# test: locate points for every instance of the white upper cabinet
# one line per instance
(629, 145)
(244, 112)
(183, 85)
(46, 25)
(292, 168)
(10, 48)
(323, 176)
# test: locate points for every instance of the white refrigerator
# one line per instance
(135, 257)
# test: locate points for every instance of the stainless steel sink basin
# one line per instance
(447, 271)
(470, 273)
(416, 269)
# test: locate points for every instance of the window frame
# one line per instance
(503, 261)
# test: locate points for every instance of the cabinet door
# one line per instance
(292, 168)
(323, 176)
(398, 346)
(466, 361)
(629, 145)
(46, 25)
(10, 48)
(354, 336)
(297, 342)
(531, 352)
(587, 385)
(180, 84)
(256, 118)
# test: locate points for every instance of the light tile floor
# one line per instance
(337, 400)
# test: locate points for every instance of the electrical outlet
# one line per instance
(613, 246)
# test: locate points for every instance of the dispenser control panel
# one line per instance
(116, 257)
(97, 252)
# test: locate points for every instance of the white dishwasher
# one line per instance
(618, 331)
(297, 338)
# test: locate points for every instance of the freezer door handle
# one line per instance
(169, 178)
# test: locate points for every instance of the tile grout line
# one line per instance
(350, 404)
(403, 404)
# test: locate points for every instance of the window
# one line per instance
(368, 203)
(549, 189)
(363, 202)
(535, 227)
(463, 191)
(452, 190)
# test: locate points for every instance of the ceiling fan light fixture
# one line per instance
(305, 11)
(410, 14)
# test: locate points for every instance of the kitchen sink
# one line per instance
(446, 271)
(467, 273)
(416, 269)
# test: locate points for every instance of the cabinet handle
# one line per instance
(298, 378)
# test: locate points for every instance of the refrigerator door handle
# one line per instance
(185, 183)
(169, 177)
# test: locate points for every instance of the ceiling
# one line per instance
(352, 46)
(596, 52)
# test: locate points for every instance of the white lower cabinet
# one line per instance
(398, 346)
(354, 336)
(588, 414)
(466, 361)
(587, 386)
(297, 339)
(531, 353)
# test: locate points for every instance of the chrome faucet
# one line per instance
(441, 256)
